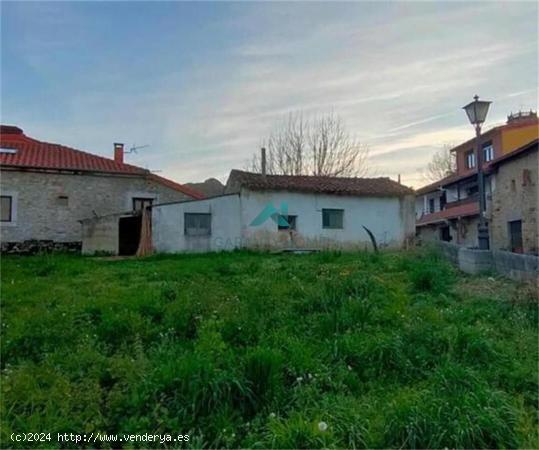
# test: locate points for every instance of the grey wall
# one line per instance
(168, 225)
(39, 214)
(512, 265)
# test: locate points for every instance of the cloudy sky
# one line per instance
(204, 83)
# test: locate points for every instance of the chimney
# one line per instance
(263, 161)
(118, 152)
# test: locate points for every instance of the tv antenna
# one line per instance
(135, 148)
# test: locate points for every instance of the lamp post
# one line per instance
(477, 113)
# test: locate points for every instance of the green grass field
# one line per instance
(256, 350)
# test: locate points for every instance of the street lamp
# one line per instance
(477, 113)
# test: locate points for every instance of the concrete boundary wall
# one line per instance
(473, 261)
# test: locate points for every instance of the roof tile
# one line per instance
(375, 187)
(34, 154)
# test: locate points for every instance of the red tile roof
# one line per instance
(374, 187)
(467, 209)
(33, 154)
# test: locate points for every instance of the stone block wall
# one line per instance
(43, 213)
(516, 198)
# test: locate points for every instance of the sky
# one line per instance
(203, 84)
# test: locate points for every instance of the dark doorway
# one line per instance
(445, 234)
(129, 235)
(515, 236)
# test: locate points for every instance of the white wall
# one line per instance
(168, 225)
(389, 218)
(422, 203)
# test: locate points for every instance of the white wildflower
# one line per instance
(322, 426)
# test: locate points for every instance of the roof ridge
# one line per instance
(311, 176)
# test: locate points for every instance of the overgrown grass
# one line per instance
(256, 350)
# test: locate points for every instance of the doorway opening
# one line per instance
(445, 234)
(515, 236)
(129, 235)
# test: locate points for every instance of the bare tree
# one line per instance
(320, 146)
(441, 165)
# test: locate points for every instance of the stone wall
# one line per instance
(48, 206)
(516, 198)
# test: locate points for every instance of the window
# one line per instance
(431, 205)
(62, 200)
(8, 151)
(443, 201)
(472, 190)
(140, 203)
(291, 220)
(470, 159)
(197, 224)
(6, 204)
(332, 218)
(488, 152)
(515, 236)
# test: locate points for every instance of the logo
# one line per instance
(270, 212)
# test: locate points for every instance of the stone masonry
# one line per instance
(48, 206)
(516, 198)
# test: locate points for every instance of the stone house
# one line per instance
(46, 189)
(448, 209)
(515, 199)
(289, 212)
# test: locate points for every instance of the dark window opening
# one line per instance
(443, 201)
(445, 234)
(431, 205)
(291, 220)
(515, 236)
(197, 224)
(140, 203)
(6, 204)
(332, 218)
(472, 190)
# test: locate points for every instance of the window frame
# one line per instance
(10, 197)
(470, 156)
(291, 227)
(190, 214)
(143, 200)
(488, 149)
(332, 210)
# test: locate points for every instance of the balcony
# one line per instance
(470, 208)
